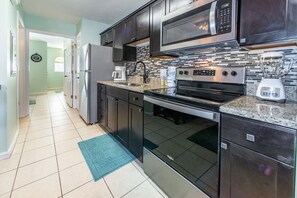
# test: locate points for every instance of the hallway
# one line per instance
(47, 161)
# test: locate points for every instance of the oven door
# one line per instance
(186, 139)
(204, 22)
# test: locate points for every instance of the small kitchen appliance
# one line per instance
(119, 74)
(274, 66)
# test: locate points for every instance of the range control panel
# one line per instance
(213, 74)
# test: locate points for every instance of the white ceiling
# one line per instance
(71, 11)
(52, 41)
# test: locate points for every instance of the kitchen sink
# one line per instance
(131, 84)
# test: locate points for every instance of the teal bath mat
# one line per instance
(104, 155)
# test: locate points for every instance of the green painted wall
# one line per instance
(90, 31)
(38, 71)
(49, 25)
(54, 79)
(9, 88)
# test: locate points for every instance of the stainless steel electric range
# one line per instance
(182, 130)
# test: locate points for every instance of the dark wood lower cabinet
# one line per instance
(122, 133)
(122, 115)
(254, 166)
(111, 114)
(136, 131)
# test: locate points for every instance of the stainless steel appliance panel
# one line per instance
(97, 66)
(186, 139)
(203, 23)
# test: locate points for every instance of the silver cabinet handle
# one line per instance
(250, 137)
(224, 146)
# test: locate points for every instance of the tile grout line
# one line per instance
(60, 182)
(21, 154)
(108, 187)
(78, 187)
(72, 121)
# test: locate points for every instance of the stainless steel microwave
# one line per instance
(202, 23)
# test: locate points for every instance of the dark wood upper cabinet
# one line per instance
(157, 11)
(107, 38)
(120, 52)
(267, 21)
(129, 30)
(142, 21)
(137, 27)
(173, 5)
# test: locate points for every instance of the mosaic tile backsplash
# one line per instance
(250, 59)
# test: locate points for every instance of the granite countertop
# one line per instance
(139, 89)
(284, 114)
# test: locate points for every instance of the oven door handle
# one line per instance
(212, 18)
(184, 108)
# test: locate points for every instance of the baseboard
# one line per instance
(7, 154)
(37, 93)
(55, 89)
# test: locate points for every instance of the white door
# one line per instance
(68, 89)
(76, 80)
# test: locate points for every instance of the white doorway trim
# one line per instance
(28, 31)
(22, 80)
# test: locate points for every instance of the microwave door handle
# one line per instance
(212, 18)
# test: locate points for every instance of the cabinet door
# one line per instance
(101, 111)
(122, 122)
(157, 10)
(260, 27)
(172, 5)
(103, 39)
(129, 30)
(136, 130)
(118, 43)
(254, 175)
(111, 110)
(109, 37)
(142, 20)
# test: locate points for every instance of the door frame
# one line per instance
(27, 56)
(22, 80)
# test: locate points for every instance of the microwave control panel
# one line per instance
(224, 16)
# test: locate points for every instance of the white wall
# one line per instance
(90, 31)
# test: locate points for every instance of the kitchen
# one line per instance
(202, 93)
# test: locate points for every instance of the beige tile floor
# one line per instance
(47, 162)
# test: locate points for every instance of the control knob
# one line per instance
(181, 72)
(233, 73)
(225, 73)
(186, 72)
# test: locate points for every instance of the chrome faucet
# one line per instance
(145, 72)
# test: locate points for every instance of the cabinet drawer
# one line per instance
(136, 98)
(101, 88)
(117, 93)
(268, 139)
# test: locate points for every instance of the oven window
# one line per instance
(183, 29)
(186, 143)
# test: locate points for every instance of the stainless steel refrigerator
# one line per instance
(95, 64)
